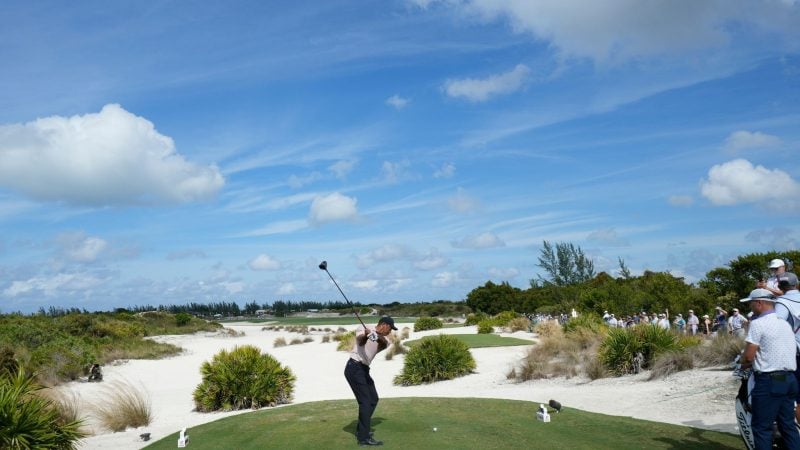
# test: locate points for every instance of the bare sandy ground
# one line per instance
(698, 398)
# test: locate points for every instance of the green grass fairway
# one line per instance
(479, 340)
(463, 423)
(316, 321)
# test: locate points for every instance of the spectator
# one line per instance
(788, 309)
(721, 320)
(693, 323)
(663, 322)
(705, 325)
(737, 323)
(777, 268)
(771, 351)
(680, 324)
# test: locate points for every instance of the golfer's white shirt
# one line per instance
(776, 346)
(367, 353)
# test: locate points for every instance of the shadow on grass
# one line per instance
(351, 427)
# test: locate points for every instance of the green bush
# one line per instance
(502, 319)
(476, 318)
(243, 378)
(486, 327)
(182, 319)
(589, 321)
(621, 345)
(427, 323)
(28, 420)
(437, 358)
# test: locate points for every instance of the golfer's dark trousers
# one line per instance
(363, 387)
(772, 400)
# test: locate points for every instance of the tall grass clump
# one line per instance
(548, 328)
(442, 357)
(243, 378)
(670, 362)
(475, 318)
(279, 341)
(717, 351)
(620, 346)
(31, 421)
(123, 406)
(346, 341)
(427, 323)
(588, 321)
(519, 324)
(396, 347)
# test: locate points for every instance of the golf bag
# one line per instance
(744, 413)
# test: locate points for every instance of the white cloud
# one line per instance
(397, 102)
(264, 262)
(681, 200)
(480, 90)
(444, 279)
(480, 241)
(745, 140)
(778, 238)
(332, 208)
(296, 182)
(392, 172)
(57, 284)
(463, 203)
(385, 253)
(286, 289)
(108, 158)
(448, 170)
(620, 30)
(738, 181)
(342, 168)
(503, 274)
(609, 237)
(81, 248)
(433, 260)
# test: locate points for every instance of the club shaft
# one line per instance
(345, 298)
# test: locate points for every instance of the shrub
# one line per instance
(404, 333)
(519, 324)
(721, 350)
(30, 420)
(485, 327)
(589, 321)
(326, 338)
(279, 342)
(427, 323)
(670, 362)
(595, 369)
(548, 328)
(502, 319)
(243, 378)
(621, 345)
(476, 318)
(124, 406)
(182, 319)
(396, 347)
(296, 341)
(437, 358)
(308, 339)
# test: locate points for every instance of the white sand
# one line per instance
(698, 398)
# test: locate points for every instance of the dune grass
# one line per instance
(316, 321)
(123, 406)
(462, 423)
(479, 340)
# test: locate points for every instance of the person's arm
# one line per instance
(749, 355)
(361, 338)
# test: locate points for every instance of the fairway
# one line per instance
(462, 423)
(479, 340)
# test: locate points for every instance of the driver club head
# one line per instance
(323, 265)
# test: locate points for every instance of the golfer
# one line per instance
(368, 343)
(771, 352)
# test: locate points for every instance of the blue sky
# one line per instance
(168, 152)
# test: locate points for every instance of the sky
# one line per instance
(168, 152)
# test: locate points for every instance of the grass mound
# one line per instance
(461, 423)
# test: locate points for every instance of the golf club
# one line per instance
(324, 266)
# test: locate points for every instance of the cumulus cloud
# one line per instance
(742, 140)
(448, 170)
(286, 289)
(479, 241)
(503, 274)
(609, 237)
(58, 284)
(78, 247)
(264, 262)
(463, 203)
(620, 30)
(738, 181)
(480, 90)
(108, 158)
(332, 208)
(444, 279)
(342, 168)
(397, 102)
(432, 260)
(681, 200)
(384, 253)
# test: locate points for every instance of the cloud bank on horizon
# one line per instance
(422, 147)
